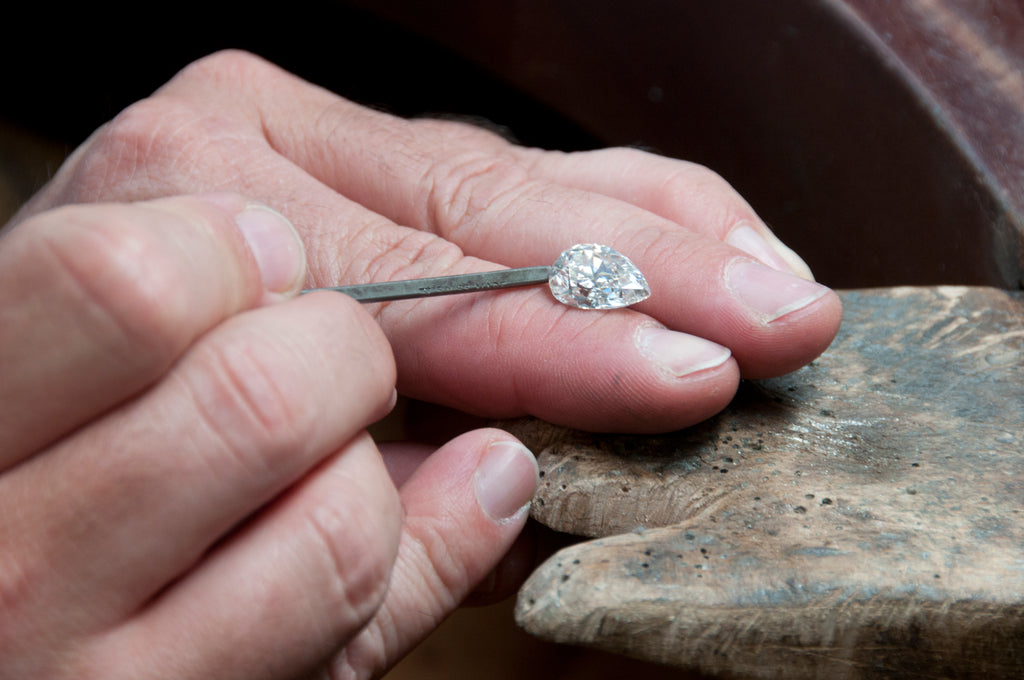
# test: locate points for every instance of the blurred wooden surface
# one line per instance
(862, 517)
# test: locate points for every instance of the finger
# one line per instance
(96, 302)
(685, 193)
(464, 508)
(115, 512)
(483, 198)
(282, 594)
(508, 354)
(402, 460)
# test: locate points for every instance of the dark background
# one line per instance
(80, 65)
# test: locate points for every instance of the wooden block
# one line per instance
(862, 517)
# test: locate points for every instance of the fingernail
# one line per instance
(276, 246)
(767, 248)
(506, 480)
(769, 293)
(678, 354)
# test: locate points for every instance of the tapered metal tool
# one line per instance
(444, 285)
(587, 276)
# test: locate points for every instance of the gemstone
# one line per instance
(592, 276)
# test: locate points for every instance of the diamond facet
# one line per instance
(592, 276)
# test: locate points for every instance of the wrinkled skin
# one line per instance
(186, 482)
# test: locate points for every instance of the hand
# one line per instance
(375, 198)
(186, 486)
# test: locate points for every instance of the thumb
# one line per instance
(464, 507)
(99, 300)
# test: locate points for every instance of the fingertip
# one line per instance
(374, 352)
(465, 506)
(678, 354)
(276, 247)
(272, 240)
(487, 468)
(505, 480)
(827, 315)
(769, 294)
(795, 340)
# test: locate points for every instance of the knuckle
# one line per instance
(267, 398)
(463, 187)
(224, 65)
(253, 404)
(157, 146)
(224, 72)
(436, 563)
(691, 179)
(128, 153)
(704, 191)
(660, 248)
(681, 182)
(357, 579)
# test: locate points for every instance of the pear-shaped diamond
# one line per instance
(592, 276)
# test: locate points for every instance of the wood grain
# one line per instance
(862, 517)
